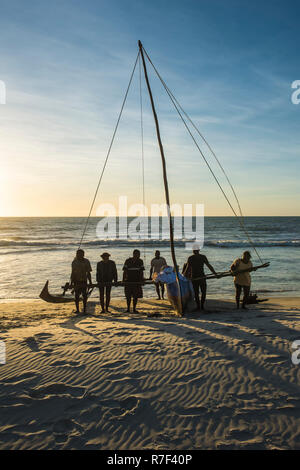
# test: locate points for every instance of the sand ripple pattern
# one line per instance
(218, 381)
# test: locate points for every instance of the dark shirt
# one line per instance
(133, 270)
(195, 265)
(80, 270)
(107, 272)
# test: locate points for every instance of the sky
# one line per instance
(66, 66)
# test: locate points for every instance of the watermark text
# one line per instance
(295, 98)
(296, 354)
(2, 353)
(137, 222)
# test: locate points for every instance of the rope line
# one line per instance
(108, 152)
(180, 112)
(178, 108)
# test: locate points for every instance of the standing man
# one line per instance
(106, 273)
(133, 273)
(242, 281)
(81, 273)
(194, 270)
(157, 264)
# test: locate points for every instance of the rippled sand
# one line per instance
(221, 380)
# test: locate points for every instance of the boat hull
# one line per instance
(53, 299)
(179, 295)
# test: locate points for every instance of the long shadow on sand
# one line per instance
(230, 343)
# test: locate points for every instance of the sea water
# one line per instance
(36, 249)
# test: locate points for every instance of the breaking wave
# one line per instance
(65, 244)
(244, 243)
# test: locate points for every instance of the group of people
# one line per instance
(133, 277)
(107, 276)
(194, 270)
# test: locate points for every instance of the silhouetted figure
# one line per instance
(242, 281)
(157, 264)
(195, 271)
(106, 273)
(81, 273)
(133, 272)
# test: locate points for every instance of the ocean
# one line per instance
(34, 249)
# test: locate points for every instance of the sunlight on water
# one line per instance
(36, 249)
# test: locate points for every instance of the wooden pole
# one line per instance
(163, 166)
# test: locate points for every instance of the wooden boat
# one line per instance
(179, 290)
(53, 299)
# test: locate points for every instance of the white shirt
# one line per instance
(243, 279)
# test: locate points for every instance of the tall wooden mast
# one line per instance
(164, 168)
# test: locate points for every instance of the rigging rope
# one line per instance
(180, 112)
(178, 108)
(142, 145)
(108, 152)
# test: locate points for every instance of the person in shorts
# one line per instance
(80, 276)
(133, 273)
(157, 263)
(242, 280)
(106, 274)
(194, 270)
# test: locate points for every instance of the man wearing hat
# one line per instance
(106, 273)
(194, 269)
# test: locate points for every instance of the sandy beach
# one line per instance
(149, 149)
(220, 380)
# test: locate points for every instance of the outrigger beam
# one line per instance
(231, 273)
(60, 299)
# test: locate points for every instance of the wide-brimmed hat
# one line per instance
(104, 255)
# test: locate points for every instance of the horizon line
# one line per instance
(129, 216)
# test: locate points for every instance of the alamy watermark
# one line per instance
(296, 354)
(2, 92)
(137, 222)
(2, 353)
(295, 98)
